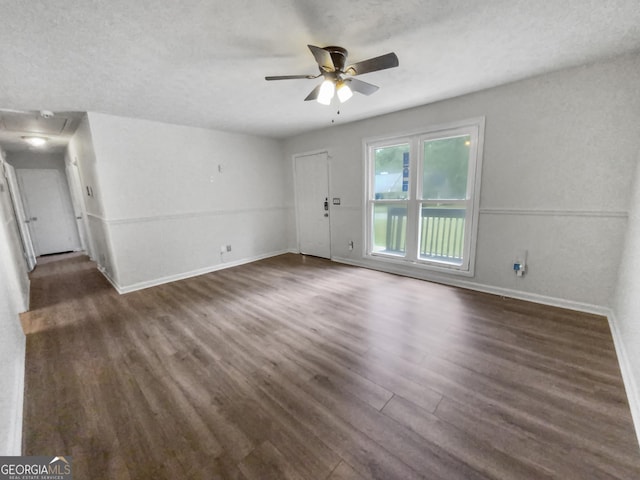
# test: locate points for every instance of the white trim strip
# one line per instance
(184, 215)
(631, 387)
(554, 213)
(97, 217)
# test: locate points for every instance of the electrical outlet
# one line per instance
(228, 248)
(520, 263)
(351, 245)
(223, 249)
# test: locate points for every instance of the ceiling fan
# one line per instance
(338, 77)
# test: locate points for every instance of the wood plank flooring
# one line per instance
(299, 368)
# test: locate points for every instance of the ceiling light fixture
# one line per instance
(36, 141)
(338, 75)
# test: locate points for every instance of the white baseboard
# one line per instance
(181, 276)
(24, 307)
(503, 292)
(113, 283)
(630, 385)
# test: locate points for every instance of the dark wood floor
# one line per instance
(299, 368)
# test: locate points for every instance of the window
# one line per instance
(422, 197)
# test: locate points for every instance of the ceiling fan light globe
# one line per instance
(327, 90)
(344, 92)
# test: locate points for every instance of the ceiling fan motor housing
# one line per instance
(338, 56)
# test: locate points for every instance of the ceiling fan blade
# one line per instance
(323, 58)
(362, 87)
(382, 62)
(289, 77)
(314, 94)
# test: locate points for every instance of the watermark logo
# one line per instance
(35, 468)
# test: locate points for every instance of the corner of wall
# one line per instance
(631, 387)
(625, 309)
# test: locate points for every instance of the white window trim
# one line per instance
(415, 139)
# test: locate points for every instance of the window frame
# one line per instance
(388, 142)
(416, 139)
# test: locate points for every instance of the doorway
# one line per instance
(21, 217)
(50, 218)
(77, 202)
(312, 204)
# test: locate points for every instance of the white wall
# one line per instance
(80, 151)
(559, 149)
(14, 298)
(625, 321)
(172, 195)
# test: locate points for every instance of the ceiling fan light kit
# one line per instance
(327, 90)
(338, 79)
(343, 91)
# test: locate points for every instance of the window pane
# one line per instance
(442, 233)
(391, 165)
(445, 166)
(389, 228)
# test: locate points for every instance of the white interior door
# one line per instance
(21, 218)
(312, 204)
(50, 218)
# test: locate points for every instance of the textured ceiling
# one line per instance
(203, 63)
